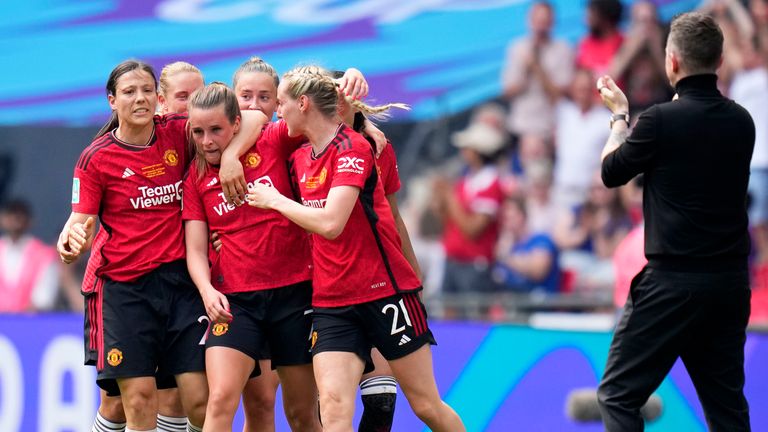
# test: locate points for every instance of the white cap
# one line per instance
(480, 137)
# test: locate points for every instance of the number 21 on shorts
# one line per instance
(396, 315)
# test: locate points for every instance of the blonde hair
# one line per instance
(255, 65)
(376, 112)
(173, 69)
(213, 95)
(315, 83)
(318, 84)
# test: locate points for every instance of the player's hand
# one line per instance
(216, 306)
(79, 234)
(353, 84)
(262, 196)
(216, 241)
(62, 247)
(612, 96)
(232, 179)
(376, 135)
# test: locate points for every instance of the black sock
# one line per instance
(379, 395)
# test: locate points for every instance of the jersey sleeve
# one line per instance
(353, 165)
(192, 202)
(387, 163)
(175, 126)
(277, 134)
(87, 187)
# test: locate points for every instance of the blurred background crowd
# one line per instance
(505, 205)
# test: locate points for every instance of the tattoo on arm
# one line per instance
(617, 137)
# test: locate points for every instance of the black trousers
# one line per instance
(699, 317)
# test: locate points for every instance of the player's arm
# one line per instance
(231, 172)
(76, 236)
(405, 239)
(196, 239)
(328, 221)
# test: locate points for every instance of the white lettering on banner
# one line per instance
(154, 196)
(315, 203)
(62, 358)
(313, 12)
(11, 387)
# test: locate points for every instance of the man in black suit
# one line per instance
(692, 299)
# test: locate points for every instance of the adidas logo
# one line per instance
(303, 178)
(128, 172)
(404, 340)
(213, 182)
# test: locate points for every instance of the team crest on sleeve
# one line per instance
(252, 160)
(219, 329)
(114, 357)
(171, 158)
(350, 164)
(75, 190)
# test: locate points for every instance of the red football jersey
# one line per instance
(365, 262)
(94, 262)
(136, 191)
(260, 249)
(477, 193)
(387, 168)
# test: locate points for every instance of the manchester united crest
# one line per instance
(171, 158)
(114, 357)
(219, 329)
(252, 160)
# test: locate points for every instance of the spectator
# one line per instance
(580, 136)
(749, 88)
(640, 60)
(541, 209)
(588, 236)
(526, 261)
(597, 49)
(628, 260)
(28, 268)
(537, 71)
(469, 210)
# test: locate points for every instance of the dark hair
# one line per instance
(17, 206)
(609, 9)
(120, 70)
(698, 40)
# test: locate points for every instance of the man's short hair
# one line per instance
(698, 41)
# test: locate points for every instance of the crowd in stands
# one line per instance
(526, 211)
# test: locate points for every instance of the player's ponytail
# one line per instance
(111, 87)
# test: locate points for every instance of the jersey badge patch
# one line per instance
(219, 329)
(75, 190)
(315, 181)
(114, 357)
(252, 160)
(171, 158)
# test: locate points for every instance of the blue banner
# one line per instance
(439, 56)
